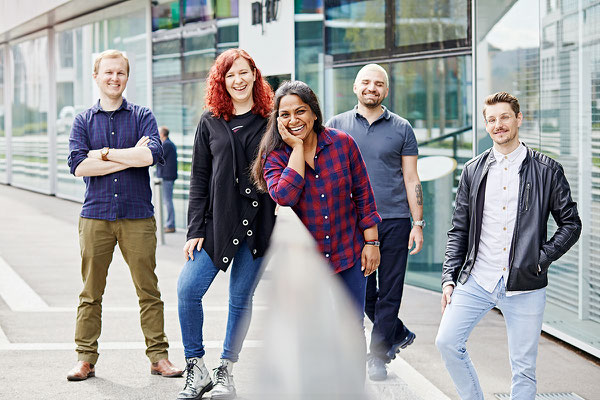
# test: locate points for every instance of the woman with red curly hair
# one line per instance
(229, 222)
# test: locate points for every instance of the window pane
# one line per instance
(198, 10)
(199, 46)
(29, 115)
(2, 134)
(165, 16)
(430, 21)
(352, 26)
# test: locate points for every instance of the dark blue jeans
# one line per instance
(195, 279)
(168, 200)
(384, 287)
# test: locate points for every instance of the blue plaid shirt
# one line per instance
(123, 194)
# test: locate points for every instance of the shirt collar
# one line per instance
(513, 156)
(124, 106)
(385, 115)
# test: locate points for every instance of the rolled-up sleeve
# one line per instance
(284, 183)
(362, 192)
(149, 128)
(78, 144)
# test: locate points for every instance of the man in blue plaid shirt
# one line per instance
(111, 146)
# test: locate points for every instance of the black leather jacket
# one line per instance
(543, 189)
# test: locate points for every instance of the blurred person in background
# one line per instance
(168, 173)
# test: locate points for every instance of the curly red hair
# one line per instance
(218, 100)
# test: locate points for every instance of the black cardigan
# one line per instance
(224, 207)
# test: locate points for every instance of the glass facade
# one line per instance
(30, 168)
(3, 165)
(546, 53)
(441, 64)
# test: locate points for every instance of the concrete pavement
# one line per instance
(39, 287)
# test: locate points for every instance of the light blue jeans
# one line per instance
(195, 279)
(168, 200)
(523, 315)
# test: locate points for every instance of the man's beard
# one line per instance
(376, 104)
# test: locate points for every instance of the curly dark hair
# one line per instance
(271, 139)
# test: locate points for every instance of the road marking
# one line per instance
(17, 293)
(416, 382)
(210, 344)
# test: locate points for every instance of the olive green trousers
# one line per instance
(137, 242)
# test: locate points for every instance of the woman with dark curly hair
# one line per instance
(229, 223)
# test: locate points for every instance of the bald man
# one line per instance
(388, 145)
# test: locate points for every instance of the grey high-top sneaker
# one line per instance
(223, 388)
(197, 380)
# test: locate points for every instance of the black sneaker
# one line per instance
(408, 340)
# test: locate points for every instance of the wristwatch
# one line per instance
(104, 153)
(420, 223)
(372, 243)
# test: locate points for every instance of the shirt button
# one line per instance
(504, 208)
(327, 237)
(254, 251)
(255, 203)
(504, 249)
(225, 259)
(236, 242)
(249, 233)
(506, 169)
(506, 157)
(115, 179)
(504, 187)
(317, 176)
(326, 217)
(112, 133)
(245, 222)
(315, 156)
(248, 191)
(504, 228)
(504, 269)
(327, 255)
(116, 195)
(322, 195)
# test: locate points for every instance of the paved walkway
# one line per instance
(40, 282)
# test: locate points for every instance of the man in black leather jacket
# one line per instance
(498, 254)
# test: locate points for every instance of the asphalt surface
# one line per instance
(39, 286)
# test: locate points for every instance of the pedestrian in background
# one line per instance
(113, 159)
(498, 254)
(389, 147)
(319, 172)
(168, 173)
(229, 223)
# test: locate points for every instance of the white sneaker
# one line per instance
(223, 388)
(197, 380)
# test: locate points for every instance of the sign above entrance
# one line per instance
(265, 8)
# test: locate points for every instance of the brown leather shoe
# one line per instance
(169, 230)
(165, 368)
(81, 371)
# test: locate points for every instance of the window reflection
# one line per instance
(430, 21)
(29, 115)
(2, 134)
(353, 26)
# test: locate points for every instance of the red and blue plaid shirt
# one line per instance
(334, 200)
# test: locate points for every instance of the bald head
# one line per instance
(371, 86)
(378, 69)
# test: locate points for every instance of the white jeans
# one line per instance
(523, 314)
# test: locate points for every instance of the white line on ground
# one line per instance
(17, 293)
(210, 344)
(73, 309)
(3, 339)
(417, 383)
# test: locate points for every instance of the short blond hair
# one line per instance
(111, 53)
(502, 97)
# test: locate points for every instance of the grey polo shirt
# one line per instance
(382, 145)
